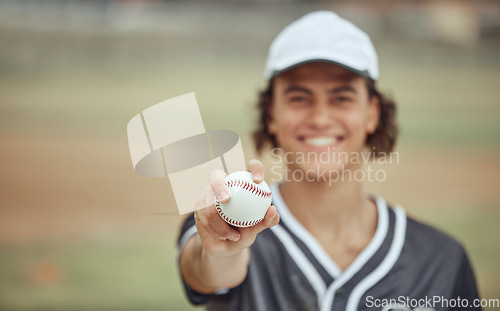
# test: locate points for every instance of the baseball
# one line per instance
(249, 201)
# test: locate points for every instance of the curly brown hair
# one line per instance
(382, 141)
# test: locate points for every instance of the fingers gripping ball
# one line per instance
(249, 201)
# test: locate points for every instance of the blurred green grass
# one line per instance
(129, 274)
(463, 113)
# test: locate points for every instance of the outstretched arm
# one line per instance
(217, 257)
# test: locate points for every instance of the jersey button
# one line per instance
(340, 293)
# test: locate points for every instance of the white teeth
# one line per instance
(321, 141)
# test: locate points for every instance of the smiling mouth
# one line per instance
(323, 141)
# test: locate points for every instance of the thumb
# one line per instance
(271, 219)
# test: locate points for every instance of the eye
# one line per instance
(298, 99)
(342, 100)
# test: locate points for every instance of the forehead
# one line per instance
(318, 71)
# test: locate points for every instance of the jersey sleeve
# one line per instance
(188, 229)
(465, 286)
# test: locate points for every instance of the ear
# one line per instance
(373, 117)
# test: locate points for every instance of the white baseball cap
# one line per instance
(322, 36)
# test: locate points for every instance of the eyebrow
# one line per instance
(295, 88)
(343, 89)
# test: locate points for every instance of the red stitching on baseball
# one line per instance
(233, 222)
(246, 185)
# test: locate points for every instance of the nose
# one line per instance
(320, 115)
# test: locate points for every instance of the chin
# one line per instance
(314, 172)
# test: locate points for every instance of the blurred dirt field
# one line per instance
(79, 230)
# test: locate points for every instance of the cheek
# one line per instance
(285, 127)
(356, 123)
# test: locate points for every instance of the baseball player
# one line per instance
(323, 244)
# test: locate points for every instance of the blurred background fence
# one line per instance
(79, 230)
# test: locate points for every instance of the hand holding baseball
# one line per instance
(217, 236)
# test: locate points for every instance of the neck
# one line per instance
(337, 207)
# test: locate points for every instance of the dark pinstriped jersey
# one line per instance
(405, 262)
